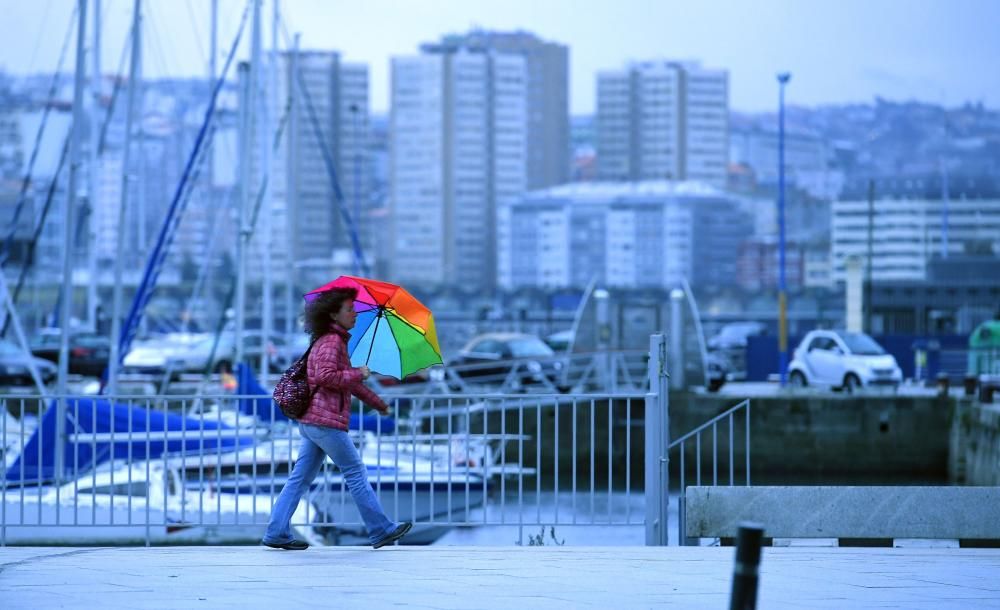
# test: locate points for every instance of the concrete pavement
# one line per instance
(241, 578)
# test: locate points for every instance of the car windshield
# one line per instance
(529, 347)
(739, 330)
(861, 344)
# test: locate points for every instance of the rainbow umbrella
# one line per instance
(394, 334)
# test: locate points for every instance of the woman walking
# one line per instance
(323, 428)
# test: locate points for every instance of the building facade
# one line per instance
(547, 96)
(909, 222)
(649, 234)
(661, 120)
(458, 152)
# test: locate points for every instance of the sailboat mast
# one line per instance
(246, 176)
(116, 315)
(267, 124)
(92, 194)
(292, 187)
(68, 208)
(213, 48)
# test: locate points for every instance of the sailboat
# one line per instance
(133, 503)
(113, 480)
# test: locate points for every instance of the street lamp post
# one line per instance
(783, 79)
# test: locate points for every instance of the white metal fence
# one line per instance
(206, 469)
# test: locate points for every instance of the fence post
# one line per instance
(657, 426)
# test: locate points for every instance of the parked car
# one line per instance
(715, 372)
(560, 341)
(842, 359)
(735, 335)
(291, 350)
(190, 352)
(14, 366)
(490, 358)
(252, 350)
(152, 356)
(88, 353)
(730, 346)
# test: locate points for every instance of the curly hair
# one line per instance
(317, 312)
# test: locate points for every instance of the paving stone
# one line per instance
(492, 577)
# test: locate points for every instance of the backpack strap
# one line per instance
(305, 361)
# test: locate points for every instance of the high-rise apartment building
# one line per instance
(547, 96)
(305, 204)
(458, 153)
(663, 120)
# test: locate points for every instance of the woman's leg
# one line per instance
(338, 445)
(306, 467)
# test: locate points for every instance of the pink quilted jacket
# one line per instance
(330, 373)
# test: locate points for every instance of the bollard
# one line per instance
(970, 385)
(985, 392)
(943, 384)
(745, 572)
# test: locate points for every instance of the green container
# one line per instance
(984, 349)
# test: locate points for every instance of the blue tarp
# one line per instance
(265, 408)
(88, 415)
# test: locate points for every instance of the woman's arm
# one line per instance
(365, 394)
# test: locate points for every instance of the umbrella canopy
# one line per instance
(394, 334)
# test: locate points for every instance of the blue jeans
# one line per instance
(317, 443)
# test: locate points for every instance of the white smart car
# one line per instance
(842, 359)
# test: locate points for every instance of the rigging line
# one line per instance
(258, 201)
(29, 172)
(206, 268)
(331, 171)
(283, 23)
(38, 40)
(102, 141)
(152, 270)
(155, 45)
(32, 245)
(39, 226)
(196, 28)
(282, 123)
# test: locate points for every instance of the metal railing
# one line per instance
(211, 473)
(578, 373)
(681, 444)
(658, 447)
(207, 468)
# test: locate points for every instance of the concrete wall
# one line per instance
(975, 444)
(887, 440)
(933, 512)
(872, 439)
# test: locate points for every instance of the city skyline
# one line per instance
(838, 53)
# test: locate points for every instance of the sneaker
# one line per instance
(394, 536)
(293, 545)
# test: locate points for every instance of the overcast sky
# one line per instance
(941, 51)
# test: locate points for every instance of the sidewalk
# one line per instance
(239, 578)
